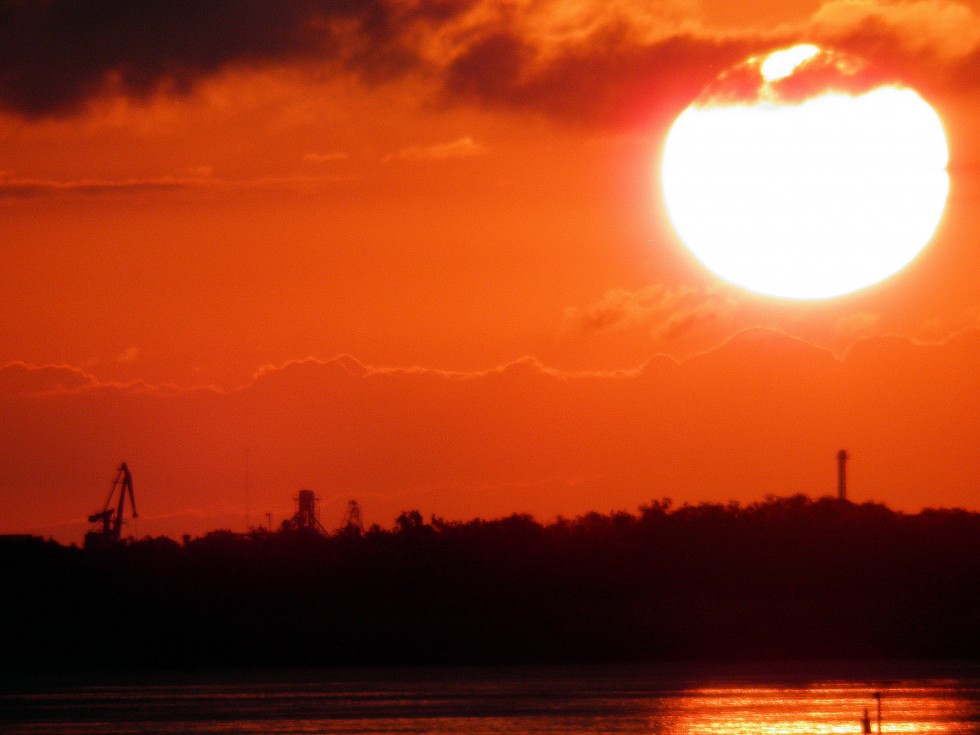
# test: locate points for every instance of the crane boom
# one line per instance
(109, 519)
(124, 481)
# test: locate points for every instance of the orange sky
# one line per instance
(415, 253)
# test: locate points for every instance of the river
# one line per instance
(770, 699)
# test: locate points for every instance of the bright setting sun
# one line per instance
(808, 198)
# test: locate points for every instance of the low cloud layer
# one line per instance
(763, 413)
(616, 64)
(22, 379)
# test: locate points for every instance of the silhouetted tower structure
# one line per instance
(307, 513)
(108, 522)
(842, 475)
(353, 523)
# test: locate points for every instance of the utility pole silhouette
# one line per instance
(248, 514)
(842, 474)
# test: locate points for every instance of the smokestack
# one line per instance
(842, 475)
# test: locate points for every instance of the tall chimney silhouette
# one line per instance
(842, 475)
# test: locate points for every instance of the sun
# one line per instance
(800, 175)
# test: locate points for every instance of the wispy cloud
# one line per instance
(197, 178)
(326, 157)
(200, 172)
(856, 325)
(11, 187)
(934, 328)
(464, 147)
(668, 312)
(128, 356)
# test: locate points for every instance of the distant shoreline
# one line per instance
(783, 579)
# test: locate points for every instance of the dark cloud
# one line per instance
(619, 72)
(622, 85)
(637, 80)
(931, 45)
(828, 71)
(57, 54)
(822, 75)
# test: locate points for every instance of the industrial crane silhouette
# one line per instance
(109, 521)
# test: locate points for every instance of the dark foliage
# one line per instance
(787, 578)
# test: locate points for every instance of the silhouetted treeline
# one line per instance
(783, 578)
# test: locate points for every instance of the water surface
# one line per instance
(669, 700)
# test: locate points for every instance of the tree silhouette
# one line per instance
(785, 577)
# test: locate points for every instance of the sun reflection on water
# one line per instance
(819, 709)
